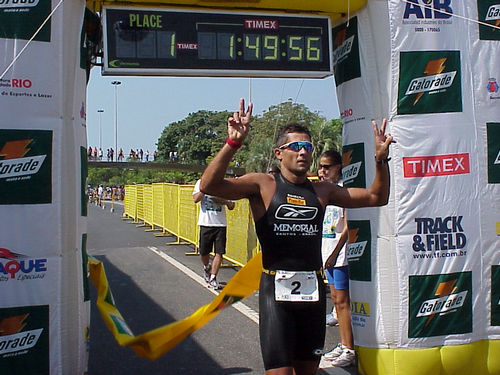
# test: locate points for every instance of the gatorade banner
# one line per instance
(429, 291)
(44, 308)
(157, 342)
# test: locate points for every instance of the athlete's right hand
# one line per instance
(239, 123)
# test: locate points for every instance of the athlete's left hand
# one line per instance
(382, 140)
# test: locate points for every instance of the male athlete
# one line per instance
(288, 214)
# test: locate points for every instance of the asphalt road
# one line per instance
(152, 287)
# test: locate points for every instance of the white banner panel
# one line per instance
(42, 131)
(434, 277)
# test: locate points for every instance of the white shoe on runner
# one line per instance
(214, 284)
(347, 358)
(335, 352)
(331, 319)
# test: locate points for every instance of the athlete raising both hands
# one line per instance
(288, 213)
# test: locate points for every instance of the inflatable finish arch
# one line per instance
(425, 270)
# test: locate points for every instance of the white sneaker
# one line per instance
(331, 319)
(347, 358)
(214, 284)
(335, 352)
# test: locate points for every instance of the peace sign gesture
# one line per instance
(239, 123)
(382, 140)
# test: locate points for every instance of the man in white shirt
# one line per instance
(212, 222)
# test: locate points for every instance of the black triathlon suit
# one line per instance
(290, 237)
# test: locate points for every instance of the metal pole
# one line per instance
(116, 83)
(100, 111)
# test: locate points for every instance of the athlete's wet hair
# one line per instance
(293, 127)
(333, 155)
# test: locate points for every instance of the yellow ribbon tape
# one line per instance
(155, 343)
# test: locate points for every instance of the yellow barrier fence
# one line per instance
(148, 205)
(170, 208)
(139, 202)
(158, 205)
(130, 203)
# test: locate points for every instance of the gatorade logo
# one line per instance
(358, 250)
(20, 19)
(440, 304)
(489, 13)
(25, 166)
(429, 82)
(493, 14)
(18, 4)
(343, 50)
(345, 57)
(24, 339)
(19, 341)
(354, 248)
(21, 167)
(14, 164)
(353, 165)
(434, 79)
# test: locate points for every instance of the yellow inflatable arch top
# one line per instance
(332, 8)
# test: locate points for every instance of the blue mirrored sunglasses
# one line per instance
(297, 145)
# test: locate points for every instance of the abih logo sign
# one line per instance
(428, 9)
(489, 13)
(353, 165)
(24, 340)
(495, 295)
(358, 250)
(436, 165)
(493, 135)
(440, 304)
(429, 82)
(20, 19)
(25, 166)
(346, 65)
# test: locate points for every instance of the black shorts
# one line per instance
(210, 236)
(290, 331)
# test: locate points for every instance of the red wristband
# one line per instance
(233, 143)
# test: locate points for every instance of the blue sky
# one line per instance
(147, 104)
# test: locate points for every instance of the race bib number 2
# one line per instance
(295, 286)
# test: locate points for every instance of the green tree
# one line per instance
(195, 138)
(326, 135)
(200, 136)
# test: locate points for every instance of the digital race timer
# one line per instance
(141, 41)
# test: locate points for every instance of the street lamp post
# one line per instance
(100, 111)
(116, 84)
